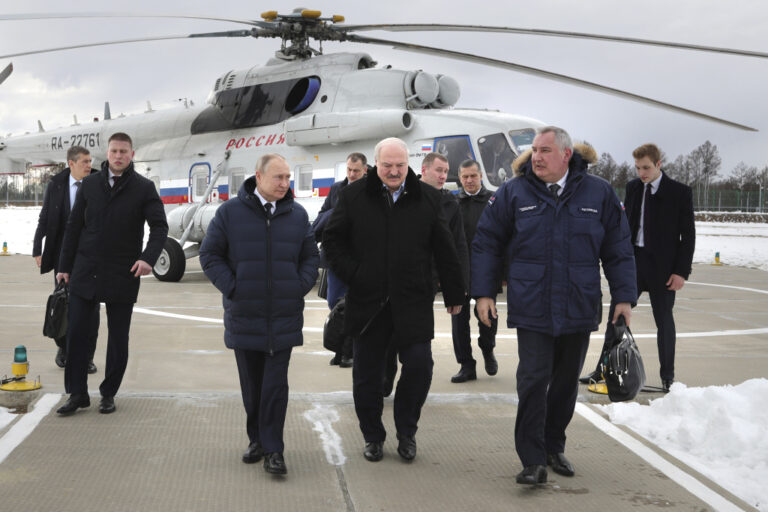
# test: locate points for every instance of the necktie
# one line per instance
(553, 189)
(647, 215)
(77, 187)
(115, 180)
(268, 209)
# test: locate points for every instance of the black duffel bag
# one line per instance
(55, 324)
(333, 330)
(622, 366)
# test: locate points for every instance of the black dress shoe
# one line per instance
(74, 403)
(92, 367)
(560, 464)
(346, 362)
(666, 384)
(406, 447)
(254, 453)
(107, 405)
(61, 357)
(274, 464)
(373, 451)
(335, 360)
(532, 475)
(491, 364)
(595, 376)
(464, 375)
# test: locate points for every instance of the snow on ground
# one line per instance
(718, 430)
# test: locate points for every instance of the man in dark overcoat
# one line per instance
(473, 199)
(102, 260)
(356, 169)
(660, 213)
(260, 253)
(382, 239)
(57, 203)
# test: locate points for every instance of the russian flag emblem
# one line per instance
(426, 147)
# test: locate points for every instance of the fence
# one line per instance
(25, 189)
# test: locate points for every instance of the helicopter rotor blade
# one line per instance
(414, 27)
(5, 73)
(254, 32)
(545, 74)
(50, 16)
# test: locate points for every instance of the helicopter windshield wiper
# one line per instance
(546, 74)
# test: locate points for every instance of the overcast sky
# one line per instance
(55, 86)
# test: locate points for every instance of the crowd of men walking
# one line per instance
(390, 240)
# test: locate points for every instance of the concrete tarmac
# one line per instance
(175, 441)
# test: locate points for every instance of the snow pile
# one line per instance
(17, 228)
(739, 244)
(720, 431)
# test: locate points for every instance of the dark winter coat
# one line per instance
(471, 209)
(52, 222)
(456, 227)
(325, 213)
(263, 267)
(554, 249)
(105, 235)
(673, 233)
(385, 252)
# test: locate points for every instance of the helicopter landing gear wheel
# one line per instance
(171, 264)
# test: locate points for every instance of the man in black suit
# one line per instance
(660, 212)
(357, 166)
(106, 232)
(57, 203)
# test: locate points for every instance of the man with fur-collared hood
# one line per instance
(553, 223)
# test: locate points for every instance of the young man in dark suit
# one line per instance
(106, 232)
(57, 203)
(660, 213)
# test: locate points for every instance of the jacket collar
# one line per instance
(373, 183)
(127, 174)
(247, 195)
(480, 196)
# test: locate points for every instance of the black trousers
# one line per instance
(264, 386)
(662, 303)
(368, 372)
(547, 387)
(462, 338)
(79, 352)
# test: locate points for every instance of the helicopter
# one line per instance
(312, 108)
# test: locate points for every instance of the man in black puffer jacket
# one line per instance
(260, 253)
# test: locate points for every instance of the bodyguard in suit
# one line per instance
(57, 203)
(260, 253)
(385, 234)
(660, 212)
(356, 169)
(552, 225)
(102, 260)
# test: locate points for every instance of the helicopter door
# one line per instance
(497, 158)
(199, 177)
(302, 180)
(456, 149)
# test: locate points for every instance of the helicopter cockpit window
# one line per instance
(456, 149)
(236, 179)
(522, 140)
(257, 105)
(497, 157)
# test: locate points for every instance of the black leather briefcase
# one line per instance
(622, 366)
(55, 325)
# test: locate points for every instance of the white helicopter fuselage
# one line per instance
(313, 112)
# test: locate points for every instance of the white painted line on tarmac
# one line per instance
(322, 417)
(688, 482)
(180, 317)
(755, 290)
(26, 424)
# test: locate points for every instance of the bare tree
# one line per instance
(606, 168)
(705, 164)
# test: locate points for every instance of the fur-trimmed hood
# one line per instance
(585, 151)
